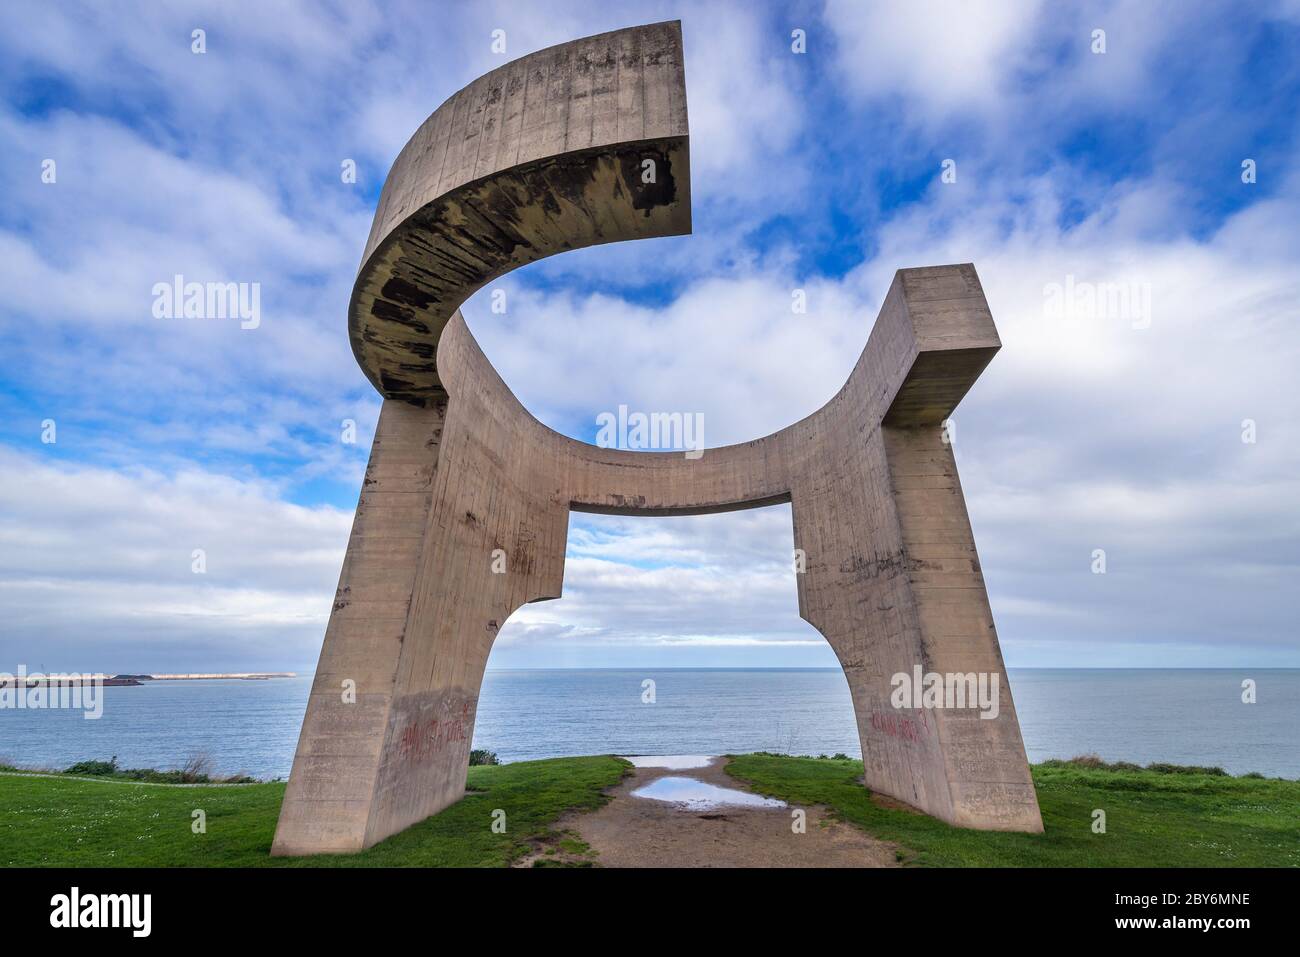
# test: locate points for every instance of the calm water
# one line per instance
(251, 727)
(700, 795)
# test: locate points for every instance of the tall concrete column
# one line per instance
(989, 784)
(892, 578)
(330, 795)
(494, 540)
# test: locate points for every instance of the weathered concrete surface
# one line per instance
(545, 154)
(464, 514)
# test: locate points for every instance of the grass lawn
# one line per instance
(65, 821)
(1152, 819)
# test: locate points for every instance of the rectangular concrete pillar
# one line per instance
(984, 757)
(328, 800)
(893, 580)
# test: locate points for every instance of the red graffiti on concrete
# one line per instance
(424, 739)
(898, 726)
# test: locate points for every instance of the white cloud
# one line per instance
(696, 584)
(1097, 431)
(96, 568)
(944, 54)
(1080, 435)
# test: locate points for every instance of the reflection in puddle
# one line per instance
(699, 796)
(673, 762)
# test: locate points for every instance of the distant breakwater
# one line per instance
(25, 680)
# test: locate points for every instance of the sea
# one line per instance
(1183, 716)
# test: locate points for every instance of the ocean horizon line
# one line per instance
(310, 671)
(833, 668)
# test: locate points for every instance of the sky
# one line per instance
(1130, 200)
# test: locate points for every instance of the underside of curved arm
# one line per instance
(573, 146)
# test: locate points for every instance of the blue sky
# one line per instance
(1096, 428)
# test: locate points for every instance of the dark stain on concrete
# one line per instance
(647, 196)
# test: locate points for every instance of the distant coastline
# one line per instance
(129, 680)
(208, 677)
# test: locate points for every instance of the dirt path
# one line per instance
(640, 832)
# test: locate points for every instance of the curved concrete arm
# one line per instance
(572, 146)
(933, 337)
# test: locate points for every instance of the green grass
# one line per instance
(66, 821)
(1168, 817)
(191, 774)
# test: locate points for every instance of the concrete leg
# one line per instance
(893, 582)
(449, 541)
(328, 801)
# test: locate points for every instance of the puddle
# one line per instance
(699, 796)
(673, 762)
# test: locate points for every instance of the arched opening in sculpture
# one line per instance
(573, 146)
(692, 604)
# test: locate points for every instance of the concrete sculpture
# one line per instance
(576, 145)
